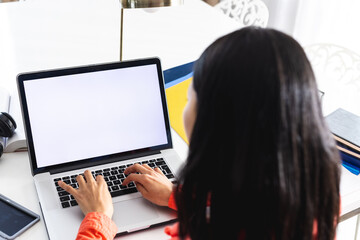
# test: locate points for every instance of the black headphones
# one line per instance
(7, 127)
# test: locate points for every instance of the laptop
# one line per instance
(104, 118)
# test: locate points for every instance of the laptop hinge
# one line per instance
(97, 162)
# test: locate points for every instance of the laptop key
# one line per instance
(67, 181)
(65, 204)
(170, 176)
(73, 203)
(65, 198)
(159, 163)
(97, 174)
(165, 167)
(123, 192)
(63, 193)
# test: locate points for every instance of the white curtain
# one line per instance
(282, 14)
(318, 21)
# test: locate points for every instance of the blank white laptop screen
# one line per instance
(86, 115)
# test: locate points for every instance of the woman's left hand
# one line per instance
(151, 183)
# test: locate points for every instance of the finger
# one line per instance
(100, 179)
(140, 178)
(141, 188)
(147, 167)
(88, 176)
(136, 168)
(81, 181)
(158, 170)
(67, 188)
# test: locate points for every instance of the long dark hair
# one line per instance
(260, 150)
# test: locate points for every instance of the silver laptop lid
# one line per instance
(85, 116)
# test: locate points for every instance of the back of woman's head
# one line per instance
(260, 150)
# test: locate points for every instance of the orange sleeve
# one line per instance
(98, 226)
(315, 225)
(171, 202)
(173, 232)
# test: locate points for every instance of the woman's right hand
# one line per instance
(92, 195)
(151, 183)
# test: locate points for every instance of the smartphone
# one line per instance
(14, 218)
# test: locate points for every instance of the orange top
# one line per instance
(96, 226)
(171, 202)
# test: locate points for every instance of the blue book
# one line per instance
(347, 158)
(178, 74)
(353, 169)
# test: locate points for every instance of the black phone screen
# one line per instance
(12, 219)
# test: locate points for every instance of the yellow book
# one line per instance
(177, 81)
(176, 100)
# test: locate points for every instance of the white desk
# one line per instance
(38, 35)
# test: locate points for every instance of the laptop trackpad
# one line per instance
(133, 211)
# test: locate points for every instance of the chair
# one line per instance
(337, 72)
(246, 12)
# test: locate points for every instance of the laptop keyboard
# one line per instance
(113, 176)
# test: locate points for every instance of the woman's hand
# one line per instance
(151, 183)
(92, 195)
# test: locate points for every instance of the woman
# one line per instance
(262, 163)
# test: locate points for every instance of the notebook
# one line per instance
(345, 127)
(103, 118)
